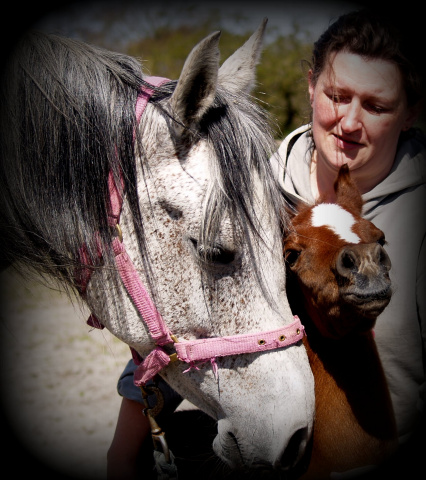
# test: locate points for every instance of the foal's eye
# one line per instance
(291, 256)
(382, 241)
(215, 253)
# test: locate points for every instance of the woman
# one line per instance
(365, 95)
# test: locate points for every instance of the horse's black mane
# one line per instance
(68, 119)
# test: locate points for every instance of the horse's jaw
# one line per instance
(265, 415)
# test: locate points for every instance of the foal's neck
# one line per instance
(352, 367)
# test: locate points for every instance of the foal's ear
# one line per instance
(347, 192)
(196, 88)
(238, 72)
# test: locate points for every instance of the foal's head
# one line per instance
(338, 261)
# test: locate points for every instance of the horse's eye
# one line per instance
(215, 253)
(291, 256)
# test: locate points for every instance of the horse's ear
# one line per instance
(347, 192)
(238, 72)
(196, 88)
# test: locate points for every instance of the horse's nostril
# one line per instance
(234, 443)
(294, 450)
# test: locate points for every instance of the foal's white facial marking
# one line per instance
(337, 219)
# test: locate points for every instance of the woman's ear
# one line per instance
(311, 87)
(412, 115)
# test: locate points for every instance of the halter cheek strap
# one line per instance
(115, 195)
(201, 350)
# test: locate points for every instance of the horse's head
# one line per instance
(200, 221)
(339, 262)
(211, 257)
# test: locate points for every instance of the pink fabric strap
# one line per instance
(145, 94)
(115, 199)
(207, 348)
(151, 365)
(116, 194)
(141, 299)
(84, 274)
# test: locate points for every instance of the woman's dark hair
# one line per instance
(371, 35)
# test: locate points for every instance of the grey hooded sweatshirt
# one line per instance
(397, 205)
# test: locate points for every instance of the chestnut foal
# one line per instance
(338, 283)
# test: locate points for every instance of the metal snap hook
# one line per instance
(161, 445)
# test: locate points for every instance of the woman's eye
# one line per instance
(376, 108)
(336, 98)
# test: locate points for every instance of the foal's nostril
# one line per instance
(295, 449)
(347, 262)
(382, 257)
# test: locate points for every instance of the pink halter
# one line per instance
(201, 350)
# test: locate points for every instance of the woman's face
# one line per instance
(359, 110)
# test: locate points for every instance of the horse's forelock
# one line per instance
(238, 130)
(240, 134)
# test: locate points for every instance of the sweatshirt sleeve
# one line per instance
(421, 306)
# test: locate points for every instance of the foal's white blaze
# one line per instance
(337, 219)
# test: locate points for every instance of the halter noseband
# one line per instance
(189, 351)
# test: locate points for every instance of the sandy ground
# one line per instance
(58, 390)
(58, 379)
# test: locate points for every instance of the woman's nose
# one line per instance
(350, 117)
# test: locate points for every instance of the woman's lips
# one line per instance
(345, 143)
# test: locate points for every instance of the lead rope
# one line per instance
(163, 456)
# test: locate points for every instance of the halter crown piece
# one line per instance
(189, 351)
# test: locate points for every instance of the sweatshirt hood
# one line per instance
(408, 171)
(293, 168)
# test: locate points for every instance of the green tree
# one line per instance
(284, 82)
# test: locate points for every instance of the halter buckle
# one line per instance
(174, 357)
(119, 232)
